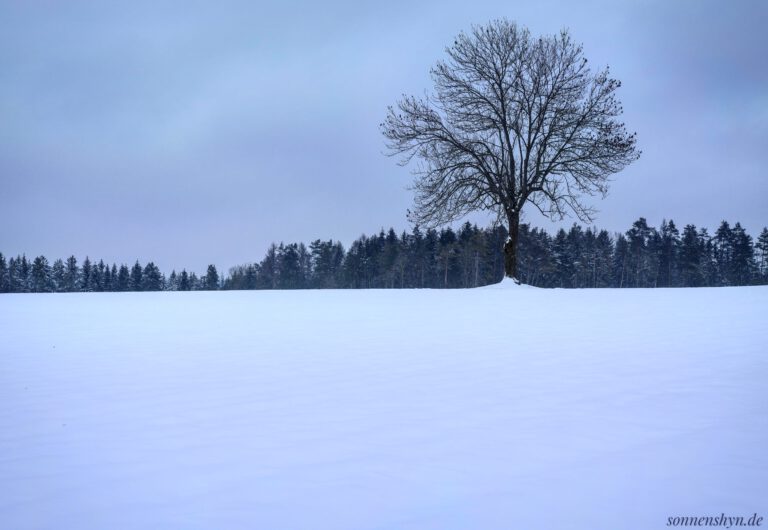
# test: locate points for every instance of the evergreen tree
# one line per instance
(355, 265)
(590, 258)
(603, 260)
(85, 276)
(184, 281)
(579, 263)
(41, 275)
(620, 261)
(564, 262)
(268, 269)
(103, 274)
(448, 258)
(123, 279)
(762, 256)
(5, 284)
(305, 265)
(690, 261)
(668, 254)
(476, 260)
(326, 258)
(641, 271)
(107, 280)
(420, 258)
(113, 285)
(212, 278)
(709, 267)
(25, 280)
(58, 273)
(387, 257)
(290, 273)
(743, 257)
(136, 282)
(71, 275)
(151, 278)
(97, 276)
(723, 254)
(14, 284)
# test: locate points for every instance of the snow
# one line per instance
(495, 408)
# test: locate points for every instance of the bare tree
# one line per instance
(513, 120)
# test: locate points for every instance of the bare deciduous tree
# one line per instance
(513, 120)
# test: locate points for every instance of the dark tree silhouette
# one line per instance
(212, 278)
(513, 120)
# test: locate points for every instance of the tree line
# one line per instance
(643, 256)
(22, 275)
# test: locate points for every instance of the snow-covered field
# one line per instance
(493, 408)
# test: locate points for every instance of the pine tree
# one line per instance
(418, 257)
(71, 275)
(354, 265)
(690, 258)
(305, 266)
(743, 258)
(211, 278)
(641, 271)
(620, 261)
(123, 279)
(588, 267)
(431, 250)
(25, 280)
(387, 256)
(41, 275)
(289, 267)
(709, 266)
(575, 244)
(58, 273)
(136, 281)
(252, 276)
(151, 278)
(13, 275)
(563, 261)
(113, 285)
(668, 254)
(603, 259)
(5, 284)
(103, 270)
(85, 276)
(723, 254)
(184, 281)
(97, 277)
(477, 258)
(326, 261)
(268, 269)
(762, 256)
(107, 280)
(447, 255)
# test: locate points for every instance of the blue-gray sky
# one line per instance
(191, 132)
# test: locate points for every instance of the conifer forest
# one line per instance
(643, 256)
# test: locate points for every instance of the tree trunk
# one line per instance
(510, 247)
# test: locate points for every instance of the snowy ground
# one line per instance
(494, 408)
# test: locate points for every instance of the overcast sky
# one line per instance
(191, 133)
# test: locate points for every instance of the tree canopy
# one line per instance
(513, 120)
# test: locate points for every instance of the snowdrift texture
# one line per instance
(496, 408)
